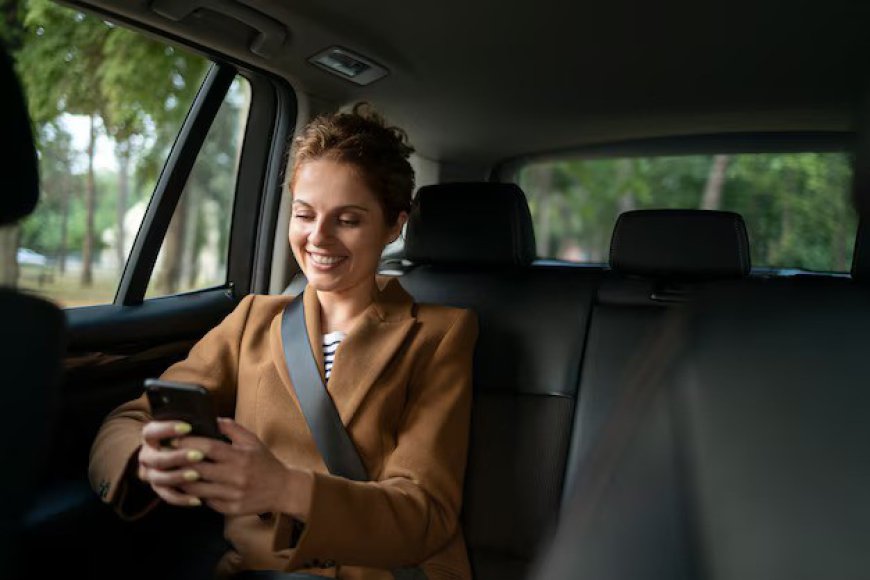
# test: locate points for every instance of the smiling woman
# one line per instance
(351, 185)
(338, 230)
(399, 384)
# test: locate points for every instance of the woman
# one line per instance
(400, 378)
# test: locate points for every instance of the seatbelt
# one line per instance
(330, 436)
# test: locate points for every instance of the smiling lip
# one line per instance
(325, 260)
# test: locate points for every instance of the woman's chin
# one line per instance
(326, 281)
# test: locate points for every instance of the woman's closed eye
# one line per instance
(303, 217)
(350, 223)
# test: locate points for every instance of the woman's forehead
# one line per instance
(325, 183)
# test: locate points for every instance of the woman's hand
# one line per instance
(243, 477)
(166, 469)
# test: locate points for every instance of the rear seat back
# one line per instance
(659, 259)
(750, 460)
(472, 246)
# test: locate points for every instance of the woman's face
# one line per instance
(337, 227)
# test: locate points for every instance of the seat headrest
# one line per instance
(21, 182)
(680, 244)
(861, 256)
(471, 223)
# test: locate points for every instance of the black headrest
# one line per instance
(20, 188)
(471, 223)
(861, 257)
(680, 244)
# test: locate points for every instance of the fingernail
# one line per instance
(194, 456)
(183, 428)
(191, 475)
(194, 502)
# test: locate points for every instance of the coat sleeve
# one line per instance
(413, 510)
(212, 363)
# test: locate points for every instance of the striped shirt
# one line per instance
(330, 345)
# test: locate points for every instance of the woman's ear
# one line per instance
(396, 230)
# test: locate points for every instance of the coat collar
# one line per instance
(366, 350)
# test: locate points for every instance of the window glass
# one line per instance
(195, 250)
(796, 205)
(106, 104)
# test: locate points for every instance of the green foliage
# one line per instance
(796, 206)
(140, 90)
(62, 49)
(11, 28)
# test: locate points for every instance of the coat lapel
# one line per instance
(363, 354)
(369, 347)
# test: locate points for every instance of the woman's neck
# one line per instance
(340, 310)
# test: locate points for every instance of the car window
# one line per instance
(195, 250)
(107, 104)
(796, 205)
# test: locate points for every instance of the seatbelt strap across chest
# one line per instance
(330, 436)
(324, 422)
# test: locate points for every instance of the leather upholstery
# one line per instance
(525, 387)
(470, 223)
(472, 245)
(680, 244)
(746, 459)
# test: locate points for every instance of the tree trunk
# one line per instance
(170, 268)
(190, 252)
(543, 180)
(122, 152)
(65, 194)
(9, 255)
(712, 198)
(782, 246)
(842, 237)
(90, 208)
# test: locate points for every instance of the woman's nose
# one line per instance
(320, 233)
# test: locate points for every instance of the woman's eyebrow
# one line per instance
(342, 208)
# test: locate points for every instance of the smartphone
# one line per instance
(171, 401)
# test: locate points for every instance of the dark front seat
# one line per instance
(31, 340)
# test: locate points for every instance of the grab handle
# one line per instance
(271, 34)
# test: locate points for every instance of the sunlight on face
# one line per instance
(337, 228)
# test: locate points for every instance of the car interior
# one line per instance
(673, 410)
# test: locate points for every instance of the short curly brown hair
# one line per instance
(362, 139)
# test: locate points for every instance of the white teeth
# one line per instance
(326, 260)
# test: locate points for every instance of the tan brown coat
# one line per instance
(401, 381)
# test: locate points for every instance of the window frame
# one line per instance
(271, 118)
(170, 185)
(508, 170)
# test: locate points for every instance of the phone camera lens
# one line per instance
(165, 399)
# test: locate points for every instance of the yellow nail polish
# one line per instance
(195, 502)
(195, 456)
(191, 475)
(183, 428)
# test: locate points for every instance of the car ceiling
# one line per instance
(480, 82)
